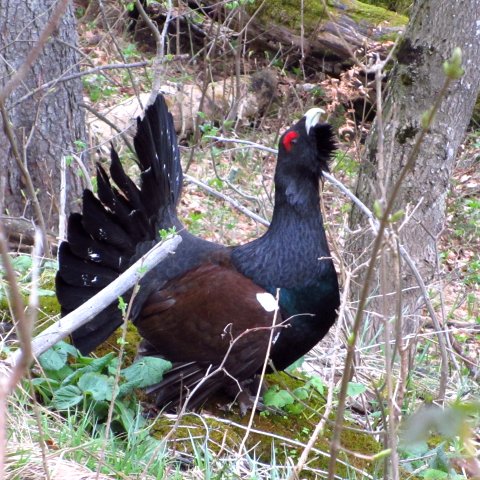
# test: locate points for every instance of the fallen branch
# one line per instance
(83, 314)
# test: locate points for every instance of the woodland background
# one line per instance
(393, 392)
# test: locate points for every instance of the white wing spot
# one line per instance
(267, 301)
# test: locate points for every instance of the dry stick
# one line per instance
(160, 46)
(103, 118)
(66, 325)
(73, 76)
(319, 428)
(22, 72)
(228, 199)
(390, 427)
(116, 381)
(117, 46)
(374, 224)
(24, 326)
(262, 376)
(25, 173)
(335, 443)
(32, 311)
(206, 76)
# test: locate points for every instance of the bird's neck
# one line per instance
(294, 248)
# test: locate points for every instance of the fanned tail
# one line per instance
(121, 224)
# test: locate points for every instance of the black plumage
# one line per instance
(191, 307)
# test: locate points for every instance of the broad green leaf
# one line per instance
(146, 371)
(301, 393)
(54, 358)
(274, 397)
(67, 397)
(98, 386)
(355, 389)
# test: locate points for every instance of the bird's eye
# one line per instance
(289, 140)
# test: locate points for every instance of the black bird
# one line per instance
(192, 306)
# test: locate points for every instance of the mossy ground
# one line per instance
(286, 13)
(274, 438)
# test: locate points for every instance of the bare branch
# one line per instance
(101, 300)
(22, 72)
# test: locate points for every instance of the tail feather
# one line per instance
(103, 225)
(78, 272)
(121, 223)
(131, 219)
(157, 139)
(82, 245)
(124, 183)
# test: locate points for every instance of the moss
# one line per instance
(286, 13)
(399, 6)
(374, 15)
(132, 339)
(223, 431)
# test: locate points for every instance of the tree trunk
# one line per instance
(47, 124)
(414, 84)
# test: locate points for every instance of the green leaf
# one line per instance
(127, 417)
(146, 371)
(274, 397)
(96, 385)
(318, 384)
(22, 263)
(59, 375)
(45, 293)
(295, 408)
(452, 68)
(434, 474)
(56, 357)
(355, 389)
(301, 393)
(67, 397)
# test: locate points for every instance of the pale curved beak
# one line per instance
(312, 117)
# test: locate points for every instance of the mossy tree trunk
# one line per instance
(47, 124)
(414, 83)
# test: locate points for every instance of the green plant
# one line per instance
(72, 381)
(433, 436)
(98, 87)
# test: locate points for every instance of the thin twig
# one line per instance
(35, 51)
(73, 76)
(228, 199)
(335, 442)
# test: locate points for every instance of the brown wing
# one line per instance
(196, 318)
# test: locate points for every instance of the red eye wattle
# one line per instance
(289, 139)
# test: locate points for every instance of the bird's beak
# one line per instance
(312, 117)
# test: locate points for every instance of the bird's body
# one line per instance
(206, 306)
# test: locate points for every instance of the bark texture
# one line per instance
(46, 124)
(414, 83)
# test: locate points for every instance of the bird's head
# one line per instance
(308, 144)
